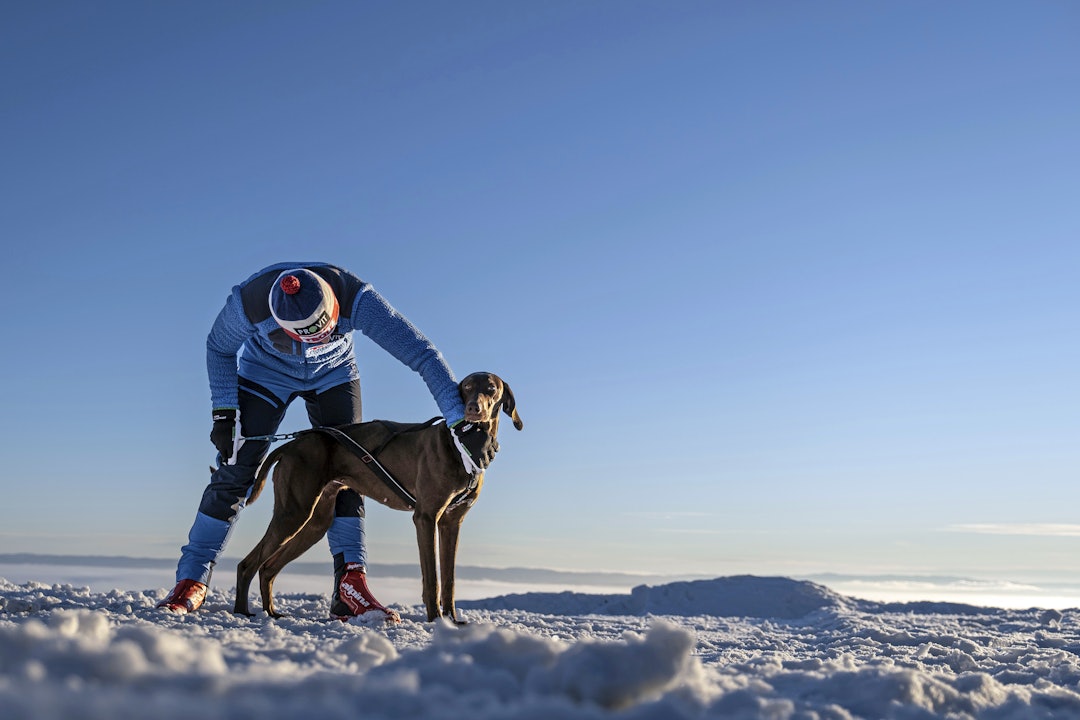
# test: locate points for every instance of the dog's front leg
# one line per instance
(425, 541)
(449, 530)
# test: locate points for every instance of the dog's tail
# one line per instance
(264, 471)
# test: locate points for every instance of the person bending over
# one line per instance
(286, 333)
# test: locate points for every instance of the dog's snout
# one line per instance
(474, 411)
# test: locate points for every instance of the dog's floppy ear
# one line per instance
(509, 405)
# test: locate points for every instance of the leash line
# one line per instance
(273, 438)
(290, 436)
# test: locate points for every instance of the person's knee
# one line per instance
(227, 492)
(349, 503)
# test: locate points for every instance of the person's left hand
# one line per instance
(477, 448)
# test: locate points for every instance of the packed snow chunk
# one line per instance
(81, 644)
(618, 675)
(887, 692)
(173, 652)
(489, 661)
(368, 650)
(92, 627)
(492, 647)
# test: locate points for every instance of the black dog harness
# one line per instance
(371, 458)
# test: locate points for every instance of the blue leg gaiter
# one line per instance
(346, 536)
(206, 541)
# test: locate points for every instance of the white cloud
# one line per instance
(667, 514)
(1036, 529)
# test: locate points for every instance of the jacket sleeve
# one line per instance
(373, 316)
(226, 337)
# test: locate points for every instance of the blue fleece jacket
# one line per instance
(246, 340)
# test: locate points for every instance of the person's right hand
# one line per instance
(223, 434)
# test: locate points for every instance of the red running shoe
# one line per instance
(186, 597)
(354, 598)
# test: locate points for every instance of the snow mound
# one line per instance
(740, 596)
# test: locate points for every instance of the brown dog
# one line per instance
(422, 458)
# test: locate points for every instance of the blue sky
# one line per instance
(780, 287)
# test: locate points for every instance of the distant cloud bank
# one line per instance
(1036, 529)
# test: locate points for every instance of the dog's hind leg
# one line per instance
(311, 533)
(292, 510)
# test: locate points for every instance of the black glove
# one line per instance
(224, 431)
(477, 448)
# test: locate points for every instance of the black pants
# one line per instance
(261, 413)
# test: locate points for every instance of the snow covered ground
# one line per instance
(732, 647)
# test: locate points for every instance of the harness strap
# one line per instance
(376, 467)
(465, 494)
(395, 433)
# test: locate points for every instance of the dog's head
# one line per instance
(483, 394)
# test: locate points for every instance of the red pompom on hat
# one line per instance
(290, 284)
